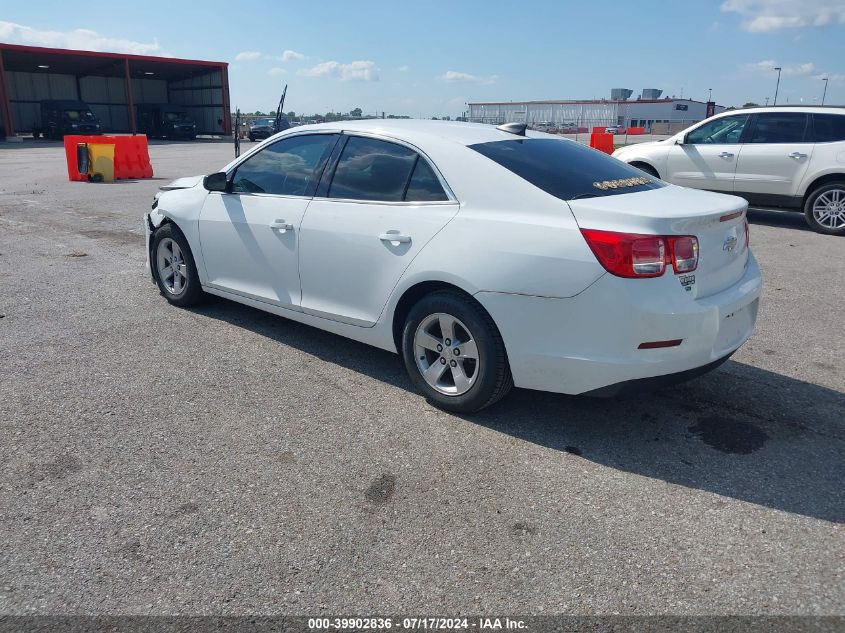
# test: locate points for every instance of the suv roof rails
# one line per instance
(513, 128)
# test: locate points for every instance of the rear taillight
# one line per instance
(746, 232)
(684, 253)
(635, 255)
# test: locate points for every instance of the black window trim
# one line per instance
(812, 130)
(745, 139)
(328, 173)
(230, 173)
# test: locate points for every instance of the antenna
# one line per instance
(513, 128)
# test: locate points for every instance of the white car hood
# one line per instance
(183, 183)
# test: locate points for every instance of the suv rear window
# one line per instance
(829, 127)
(566, 169)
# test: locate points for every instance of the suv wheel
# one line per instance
(454, 353)
(825, 209)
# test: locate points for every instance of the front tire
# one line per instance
(824, 209)
(174, 268)
(454, 354)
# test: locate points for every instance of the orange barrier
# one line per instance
(131, 155)
(602, 142)
(633, 131)
(599, 129)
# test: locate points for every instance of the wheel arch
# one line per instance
(644, 163)
(820, 181)
(411, 295)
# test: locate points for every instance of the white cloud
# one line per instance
(768, 66)
(353, 71)
(404, 69)
(766, 16)
(83, 39)
(275, 72)
(453, 76)
(289, 55)
(247, 56)
(833, 78)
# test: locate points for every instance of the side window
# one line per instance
(424, 185)
(723, 131)
(829, 127)
(370, 169)
(779, 127)
(288, 167)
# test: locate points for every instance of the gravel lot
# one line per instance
(223, 460)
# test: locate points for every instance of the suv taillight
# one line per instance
(635, 255)
(746, 232)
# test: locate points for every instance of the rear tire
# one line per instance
(824, 209)
(173, 267)
(470, 370)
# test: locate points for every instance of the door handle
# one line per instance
(395, 237)
(797, 155)
(725, 155)
(281, 225)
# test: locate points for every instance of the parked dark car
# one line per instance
(266, 127)
(163, 120)
(59, 118)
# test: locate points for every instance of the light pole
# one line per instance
(710, 95)
(824, 79)
(777, 68)
(767, 102)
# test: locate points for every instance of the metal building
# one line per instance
(111, 84)
(675, 113)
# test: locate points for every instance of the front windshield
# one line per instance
(176, 116)
(80, 115)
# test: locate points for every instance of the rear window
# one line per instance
(566, 169)
(829, 127)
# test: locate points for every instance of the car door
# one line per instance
(707, 157)
(383, 203)
(248, 234)
(775, 156)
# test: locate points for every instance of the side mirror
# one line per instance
(216, 182)
(681, 140)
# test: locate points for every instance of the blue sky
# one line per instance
(429, 59)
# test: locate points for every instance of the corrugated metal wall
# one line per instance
(531, 113)
(202, 97)
(26, 90)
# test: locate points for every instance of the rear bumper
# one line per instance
(642, 385)
(590, 342)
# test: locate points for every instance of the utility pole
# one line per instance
(824, 94)
(777, 68)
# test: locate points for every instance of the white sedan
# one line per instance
(486, 257)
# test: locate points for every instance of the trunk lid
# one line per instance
(717, 220)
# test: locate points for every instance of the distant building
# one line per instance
(592, 113)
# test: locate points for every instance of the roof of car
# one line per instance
(422, 129)
(790, 108)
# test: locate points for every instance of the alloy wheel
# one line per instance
(172, 269)
(829, 209)
(446, 354)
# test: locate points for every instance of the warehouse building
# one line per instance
(112, 84)
(668, 113)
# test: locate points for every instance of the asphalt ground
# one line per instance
(222, 460)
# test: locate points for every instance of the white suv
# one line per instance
(788, 157)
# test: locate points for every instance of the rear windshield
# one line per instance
(566, 169)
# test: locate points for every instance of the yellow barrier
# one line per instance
(101, 161)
